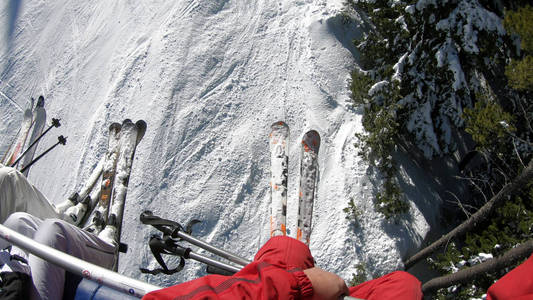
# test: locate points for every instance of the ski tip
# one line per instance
(280, 126)
(141, 125)
(114, 126)
(40, 102)
(127, 122)
(141, 129)
(311, 141)
(128, 125)
(312, 133)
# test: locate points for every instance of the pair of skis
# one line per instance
(24, 146)
(279, 137)
(279, 158)
(106, 203)
(115, 181)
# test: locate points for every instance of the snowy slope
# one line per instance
(209, 78)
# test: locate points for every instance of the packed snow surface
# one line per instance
(209, 78)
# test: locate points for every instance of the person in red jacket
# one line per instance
(284, 269)
(516, 285)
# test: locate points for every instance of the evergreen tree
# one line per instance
(429, 68)
(520, 71)
(422, 62)
(503, 139)
(426, 60)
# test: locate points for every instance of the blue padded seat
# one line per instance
(89, 290)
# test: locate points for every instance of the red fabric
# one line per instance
(397, 285)
(286, 253)
(516, 285)
(276, 273)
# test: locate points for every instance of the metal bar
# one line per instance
(220, 252)
(77, 266)
(213, 262)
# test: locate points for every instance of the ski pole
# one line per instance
(187, 253)
(176, 231)
(62, 140)
(167, 245)
(220, 252)
(55, 123)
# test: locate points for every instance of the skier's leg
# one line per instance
(22, 223)
(48, 279)
(286, 253)
(27, 225)
(17, 194)
(15, 271)
(397, 285)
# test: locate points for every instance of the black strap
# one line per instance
(19, 258)
(166, 244)
(160, 246)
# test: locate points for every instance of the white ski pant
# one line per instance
(25, 209)
(48, 279)
(17, 194)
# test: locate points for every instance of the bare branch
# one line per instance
(525, 114)
(477, 218)
(481, 191)
(518, 154)
(460, 204)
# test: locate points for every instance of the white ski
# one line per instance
(279, 161)
(98, 217)
(131, 135)
(39, 120)
(79, 203)
(308, 177)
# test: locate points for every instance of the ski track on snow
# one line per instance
(209, 78)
